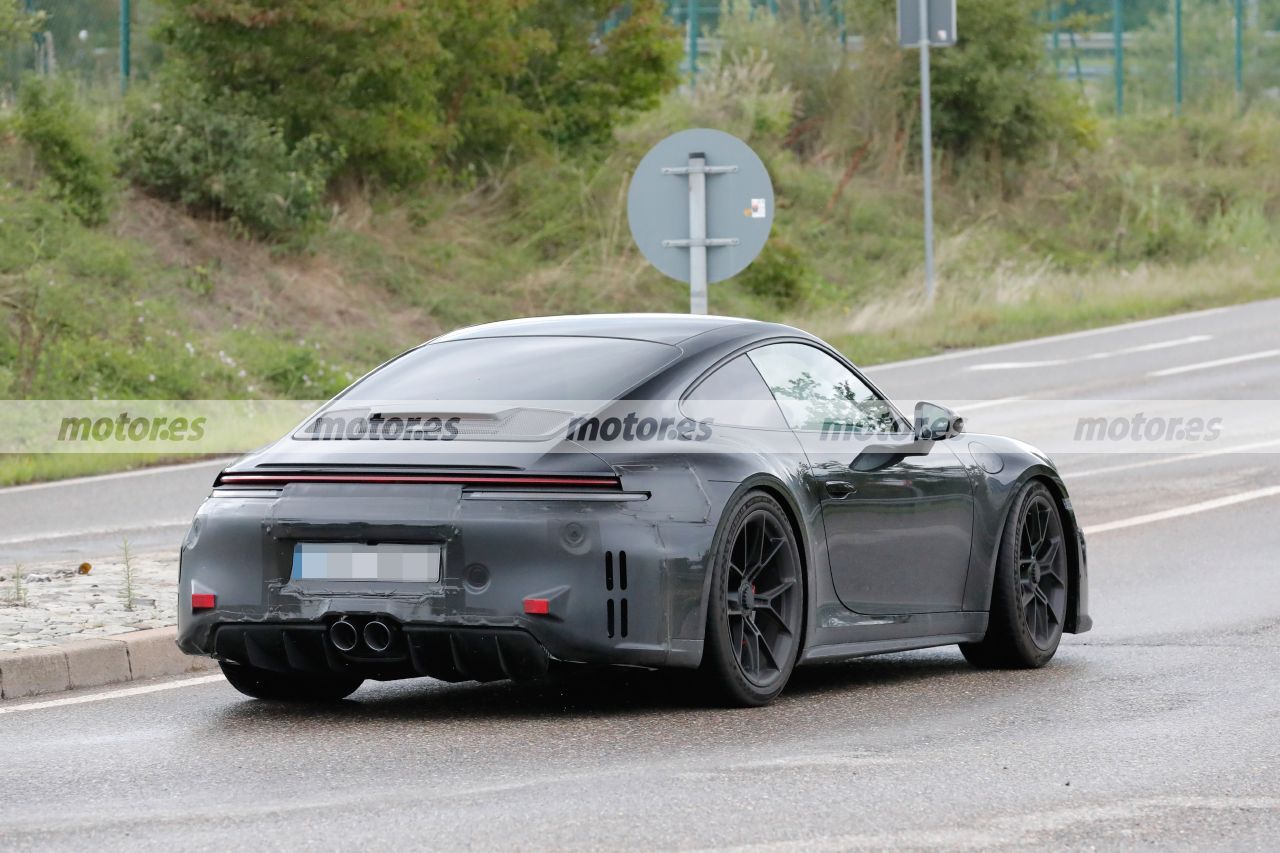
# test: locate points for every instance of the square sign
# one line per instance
(942, 22)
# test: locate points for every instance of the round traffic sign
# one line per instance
(739, 203)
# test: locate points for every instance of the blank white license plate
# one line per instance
(341, 561)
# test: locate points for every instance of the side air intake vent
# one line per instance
(615, 609)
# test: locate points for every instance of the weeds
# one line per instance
(127, 577)
(18, 595)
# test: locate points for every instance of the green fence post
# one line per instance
(1117, 34)
(124, 46)
(1177, 57)
(1053, 19)
(693, 42)
(1075, 59)
(1239, 4)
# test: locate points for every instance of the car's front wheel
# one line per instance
(283, 687)
(1029, 593)
(757, 603)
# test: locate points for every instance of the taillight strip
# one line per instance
(279, 479)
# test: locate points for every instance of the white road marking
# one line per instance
(1179, 512)
(113, 694)
(118, 475)
(1187, 457)
(1220, 362)
(987, 404)
(185, 521)
(1086, 333)
(1097, 356)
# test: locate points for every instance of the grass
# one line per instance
(1034, 303)
(19, 468)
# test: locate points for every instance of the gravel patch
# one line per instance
(62, 605)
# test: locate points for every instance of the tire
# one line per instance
(1030, 590)
(282, 687)
(756, 608)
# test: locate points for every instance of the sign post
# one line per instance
(726, 193)
(923, 24)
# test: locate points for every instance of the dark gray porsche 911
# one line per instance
(640, 490)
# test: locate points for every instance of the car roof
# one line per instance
(660, 328)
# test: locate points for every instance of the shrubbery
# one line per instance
(780, 274)
(996, 101)
(406, 86)
(63, 141)
(228, 163)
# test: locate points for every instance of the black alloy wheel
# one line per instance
(1030, 590)
(755, 616)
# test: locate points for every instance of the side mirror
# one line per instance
(936, 423)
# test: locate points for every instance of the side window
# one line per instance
(735, 395)
(818, 393)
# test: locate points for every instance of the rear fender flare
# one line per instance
(773, 487)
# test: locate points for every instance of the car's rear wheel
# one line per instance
(284, 687)
(754, 617)
(1030, 591)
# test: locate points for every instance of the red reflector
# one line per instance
(537, 606)
(203, 600)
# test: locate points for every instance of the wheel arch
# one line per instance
(777, 490)
(1071, 533)
(1075, 546)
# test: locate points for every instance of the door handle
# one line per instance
(840, 488)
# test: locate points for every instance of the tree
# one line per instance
(405, 86)
(994, 97)
(16, 25)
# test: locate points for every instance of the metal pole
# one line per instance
(697, 234)
(124, 46)
(926, 145)
(1177, 57)
(1117, 35)
(1240, 52)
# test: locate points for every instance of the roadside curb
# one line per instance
(91, 663)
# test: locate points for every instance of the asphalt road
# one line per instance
(1156, 730)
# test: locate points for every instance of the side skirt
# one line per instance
(897, 634)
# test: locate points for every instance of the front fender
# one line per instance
(995, 491)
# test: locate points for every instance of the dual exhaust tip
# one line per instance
(377, 636)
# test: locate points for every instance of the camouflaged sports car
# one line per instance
(708, 493)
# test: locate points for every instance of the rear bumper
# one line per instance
(497, 552)
(449, 654)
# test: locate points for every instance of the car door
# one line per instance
(898, 526)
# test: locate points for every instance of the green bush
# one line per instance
(17, 24)
(226, 163)
(780, 273)
(995, 97)
(410, 87)
(64, 141)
